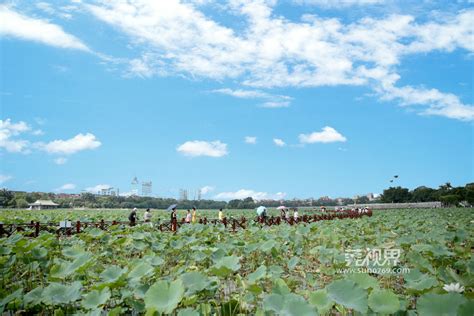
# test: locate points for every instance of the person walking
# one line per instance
(147, 216)
(188, 217)
(133, 217)
(221, 214)
(194, 216)
(173, 214)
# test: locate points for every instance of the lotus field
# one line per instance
(401, 262)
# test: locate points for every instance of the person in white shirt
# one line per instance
(147, 216)
(188, 217)
(295, 214)
(221, 215)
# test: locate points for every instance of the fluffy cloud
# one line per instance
(21, 26)
(98, 188)
(206, 189)
(245, 94)
(339, 3)
(327, 135)
(273, 100)
(66, 187)
(438, 103)
(12, 140)
(244, 193)
(202, 148)
(73, 145)
(60, 160)
(279, 142)
(177, 38)
(8, 133)
(4, 178)
(275, 104)
(250, 140)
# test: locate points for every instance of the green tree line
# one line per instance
(447, 194)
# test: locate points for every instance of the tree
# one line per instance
(423, 194)
(396, 195)
(6, 198)
(21, 203)
(450, 199)
(469, 196)
(362, 200)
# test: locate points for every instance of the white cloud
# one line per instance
(339, 3)
(21, 26)
(60, 160)
(274, 100)
(206, 189)
(327, 135)
(177, 38)
(126, 194)
(276, 104)
(98, 188)
(70, 146)
(250, 140)
(38, 132)
(279, 142)
(436, 102)
(244, 193)
(202, 148)
(4, 178)
(8, 133)
(244, 94)
(66, 187)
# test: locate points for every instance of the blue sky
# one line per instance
(269, 99)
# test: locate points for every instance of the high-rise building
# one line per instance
(183, 194)
(147, 188)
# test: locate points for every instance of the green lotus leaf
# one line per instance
(348, 294)
(33, 297)
(194, 282)
(164, 297)
(384, 302)
(364, 280)
(96, 232)
(467, 308)
(5, 250)
(66, 268)
(140, 271)
(268, 245)
(226, 265)
(280, 287)
(57, 294)
(73, 252)
(156, 261)
(257, 274)
(95, 298)
(39, 252)
(439, 304)
(275, 271)
(418, 281)
(293, 262)
(188, 312)
(112, 274)
(288, 305)
(13, 296)
(321, 301)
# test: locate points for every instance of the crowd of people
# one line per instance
(192, 217)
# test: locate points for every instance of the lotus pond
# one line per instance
(207, 270)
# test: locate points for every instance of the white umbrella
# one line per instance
(261, 210)
(281, 207)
